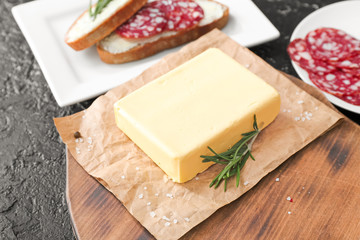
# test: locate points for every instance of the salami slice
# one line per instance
(185, 14)
(351, 65)
(299, 53)
(329, 44)
(147, 22)
(352, 99)
(337, 83)
(162, 15)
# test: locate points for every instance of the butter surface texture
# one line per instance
(208, 101)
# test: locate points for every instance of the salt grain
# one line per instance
(166, 218)
(246, 183)
(156, 194)
(123, 177)
(247, 65)
(149, 203)
(284, 110)
(288, 198)
(277, 179)
(300, 102)
(169, 195)
(89, 140)
(167, 224)
(152, 214)
(81, 140)
(289, 213)
(145, 188)
(175, 221)
(141, 196)
(289, 111)
(137, 168)
(77, 140)
(197, 178)
(187, 219)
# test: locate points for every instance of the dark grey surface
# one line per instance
(32, 156)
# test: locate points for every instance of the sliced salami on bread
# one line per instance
(86, 31)
(116, 48)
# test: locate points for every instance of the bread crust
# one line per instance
(148, 49)
(108, 26)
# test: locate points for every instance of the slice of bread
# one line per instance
(85, 31)
(115, 49)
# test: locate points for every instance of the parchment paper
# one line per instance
(117, 163)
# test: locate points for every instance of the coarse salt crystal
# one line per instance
(246, 183)
(247, 65)
(316, 108)
(187, 219)
(81, 140)
(137, 168)
(175, 221)
(77, 140)
(197, 178)
(300, 102)
(141, 196)
(302, 119)
(167, 224)
(152, 214)
(289, 212)
(89, 140)
(83, 116)
(149, 203)
(166, 218)
(289, 111)
(145, 188)
(123, 177)
(156, 194)
(288, 198)
(277, 179)
(169, 195)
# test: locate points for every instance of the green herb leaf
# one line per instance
(234, 158)
(97, 9)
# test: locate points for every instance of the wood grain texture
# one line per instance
(322, 180)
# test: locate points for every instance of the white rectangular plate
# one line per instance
(77, 76)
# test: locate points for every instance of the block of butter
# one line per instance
(208, 101)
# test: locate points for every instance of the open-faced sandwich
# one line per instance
(129, 30)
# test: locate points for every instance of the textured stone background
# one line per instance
(32, 156)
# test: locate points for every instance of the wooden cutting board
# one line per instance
(322, 180)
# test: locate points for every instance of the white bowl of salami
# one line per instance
(325, 52)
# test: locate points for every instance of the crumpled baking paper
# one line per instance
(166, 209)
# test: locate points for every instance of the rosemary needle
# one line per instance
(234, 158)
(99, 6)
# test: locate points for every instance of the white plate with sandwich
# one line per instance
(75, 76)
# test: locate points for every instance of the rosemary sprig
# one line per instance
(99, 6)
(234, 158)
